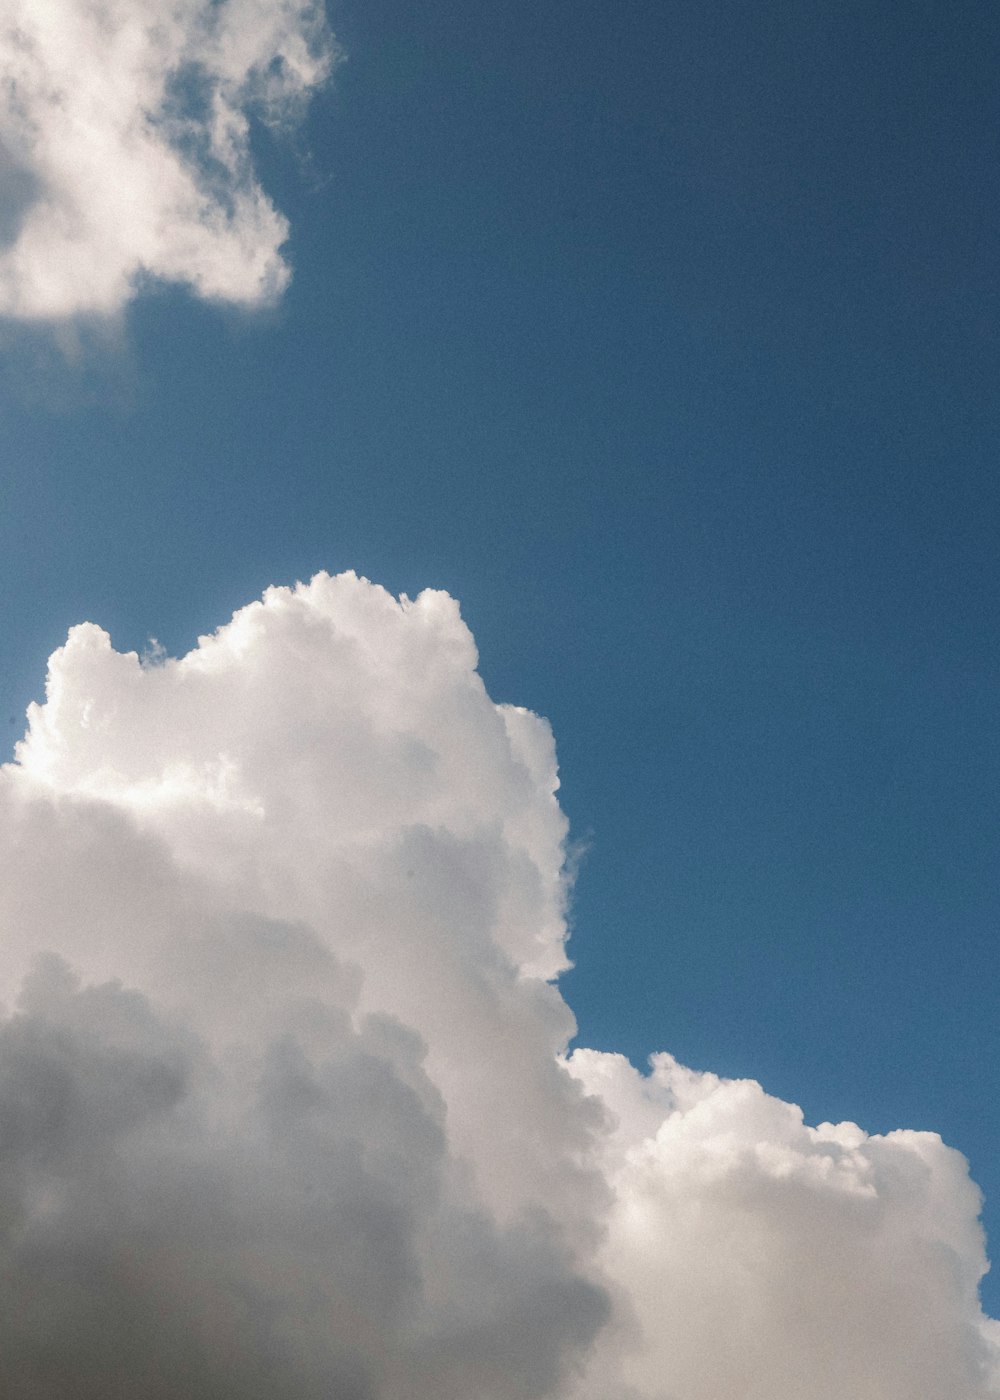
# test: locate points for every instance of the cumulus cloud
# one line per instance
(766, 1259)
(125, 147)
(285, 1107)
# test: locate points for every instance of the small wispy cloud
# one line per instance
(125, 150)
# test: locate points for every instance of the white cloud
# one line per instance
(124, 147)
(283, 1108)
(768, 1260)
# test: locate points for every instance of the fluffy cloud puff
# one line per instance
(284, 1102)
(124, 146)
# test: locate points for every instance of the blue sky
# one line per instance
(666, 339)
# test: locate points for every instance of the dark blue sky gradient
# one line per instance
(667, 338)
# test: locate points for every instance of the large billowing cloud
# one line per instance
(284, 1104)
(124, 147)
